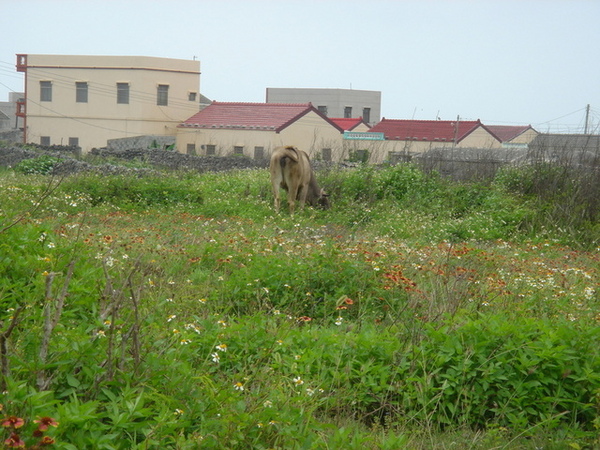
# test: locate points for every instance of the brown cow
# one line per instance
(290, 170)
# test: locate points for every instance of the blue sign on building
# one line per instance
(363, 136)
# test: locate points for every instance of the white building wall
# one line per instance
(479, 138)
(312, 134)
(525, 138)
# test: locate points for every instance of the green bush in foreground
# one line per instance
(513, 374)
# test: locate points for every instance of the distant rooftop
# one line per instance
(348, 124)
(508, 132)
(425, 130)
(253, 116)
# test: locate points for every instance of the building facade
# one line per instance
(86, 100)
(344, 103)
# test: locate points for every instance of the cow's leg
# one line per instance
(277, 201)
(292, 194)
(302, 194)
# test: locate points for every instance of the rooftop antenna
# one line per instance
(195, 57)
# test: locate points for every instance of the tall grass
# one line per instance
(182, 312)
(566, 198)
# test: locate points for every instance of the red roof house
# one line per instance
(254, 129)
(404, 137)
(513, 134)
(426, 130)
(251, 116)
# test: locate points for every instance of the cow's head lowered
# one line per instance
(290, 170)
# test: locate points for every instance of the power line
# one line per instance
(8, 87)
(561, 117)
(83, 121)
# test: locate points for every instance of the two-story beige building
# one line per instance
(86, 100)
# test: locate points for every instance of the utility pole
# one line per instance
(456, 131)
(587, 118)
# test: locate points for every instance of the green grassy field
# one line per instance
(179, 311)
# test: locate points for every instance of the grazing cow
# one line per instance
(290, 170)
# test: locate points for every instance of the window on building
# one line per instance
(322, 109)
(123, 93)
(45, 91)
(74, 142)
(211, 150)
(366, 114)
(162, 98)
(326, 154)
(44, 140)
(259, 152)
(81, 92)
(191, 149)
(238, 150)
(360, 156)
(192, 96)
(347, 112)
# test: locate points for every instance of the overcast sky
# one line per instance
(502, 61)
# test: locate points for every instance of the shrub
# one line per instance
(512, 373)
(566, 198)
(370, 183)
(144, 191)
(42, 165)
(400, 181)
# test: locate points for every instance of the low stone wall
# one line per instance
(136, 142)
(71, 163)
(179, 161)
(11, 156)
(13, 136)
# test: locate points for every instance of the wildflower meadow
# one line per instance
(178, 311)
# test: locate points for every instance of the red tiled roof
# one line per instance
(425, 130)
(251, 116)
(507, 132)
(348, 124)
